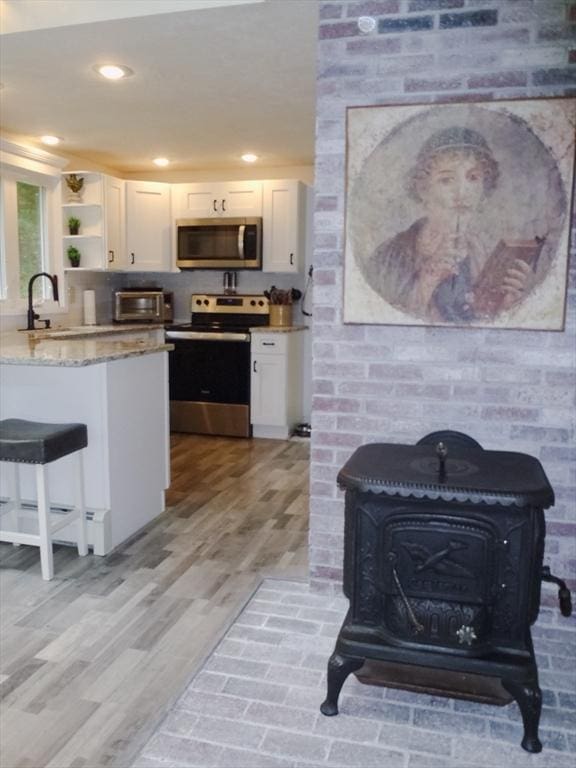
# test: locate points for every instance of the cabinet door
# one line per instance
(197, 201)
(221, 199)
(114, 192)
(148, 226)
(241, 198)
(268, 390)
(284, 222)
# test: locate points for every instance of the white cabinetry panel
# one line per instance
(115, 209)
(284, 225)
(124, 404)
(148, 227)
(218, 199)
(276, 383)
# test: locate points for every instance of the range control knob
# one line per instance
(198, 301)
(253, 303)
(261, 303)
(206, 302)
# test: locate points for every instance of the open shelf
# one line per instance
(81, 237)
(90, 212)
(81, 205)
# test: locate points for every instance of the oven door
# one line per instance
(210, 384)
(132, 306)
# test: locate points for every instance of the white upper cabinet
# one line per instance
(218, 199)
(283, 226)
(129, 225)
(115, 217)
(148, 226)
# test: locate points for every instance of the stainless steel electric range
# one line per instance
(210, 364)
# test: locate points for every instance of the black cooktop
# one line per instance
(219, 325)
(208, 328)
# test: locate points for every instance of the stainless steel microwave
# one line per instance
(142, 306)
(219, 243)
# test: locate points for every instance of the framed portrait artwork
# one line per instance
(459, 214)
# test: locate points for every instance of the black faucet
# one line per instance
(31, 314)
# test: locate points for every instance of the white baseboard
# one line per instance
(99, 532)
(274, 433)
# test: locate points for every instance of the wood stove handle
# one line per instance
(564, 596)
(441, 452)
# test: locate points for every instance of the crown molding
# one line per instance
(32, 153)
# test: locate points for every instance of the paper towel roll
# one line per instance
(89, 308)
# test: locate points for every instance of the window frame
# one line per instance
(31, 166)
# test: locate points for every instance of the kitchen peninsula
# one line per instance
(117, 384)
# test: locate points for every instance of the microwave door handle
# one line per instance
(241, 232)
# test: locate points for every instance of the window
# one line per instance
(30, 227)
(24, 249)
(31, 251)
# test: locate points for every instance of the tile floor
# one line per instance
(255, 702)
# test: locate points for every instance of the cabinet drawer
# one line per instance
(274, 343)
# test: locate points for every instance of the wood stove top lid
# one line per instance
(471, 474)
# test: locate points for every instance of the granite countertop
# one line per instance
(74, 347)
(278, 328)
(90, 330)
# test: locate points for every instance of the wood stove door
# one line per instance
(438, 578)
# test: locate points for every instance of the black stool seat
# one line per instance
(34, 442)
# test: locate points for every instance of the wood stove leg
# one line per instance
(529, 698)
(339, 667)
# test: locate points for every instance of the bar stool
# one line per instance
(32, 442)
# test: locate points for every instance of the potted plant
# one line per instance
(280, 302)
(73, 225)
(73, 256)
(74, 184)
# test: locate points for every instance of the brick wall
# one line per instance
(511, 390)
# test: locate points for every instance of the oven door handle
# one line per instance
(241, 233)
(207, 336)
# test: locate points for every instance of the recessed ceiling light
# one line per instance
(249, 157)
(50, 140)
(114, 71)
(161, 161)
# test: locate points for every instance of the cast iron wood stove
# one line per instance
(443, 553)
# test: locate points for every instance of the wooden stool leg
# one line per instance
(80, 506)
(16, 499)
(46, 558)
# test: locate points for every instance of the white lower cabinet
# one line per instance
(124, 404)
(276, 383)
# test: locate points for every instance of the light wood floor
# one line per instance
(90, 661)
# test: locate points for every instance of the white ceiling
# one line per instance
(209, 84)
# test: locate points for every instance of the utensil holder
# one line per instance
(281, 314)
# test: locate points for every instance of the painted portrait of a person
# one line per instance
(464, 224)
(432, 269)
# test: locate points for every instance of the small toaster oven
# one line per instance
(146, 306)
